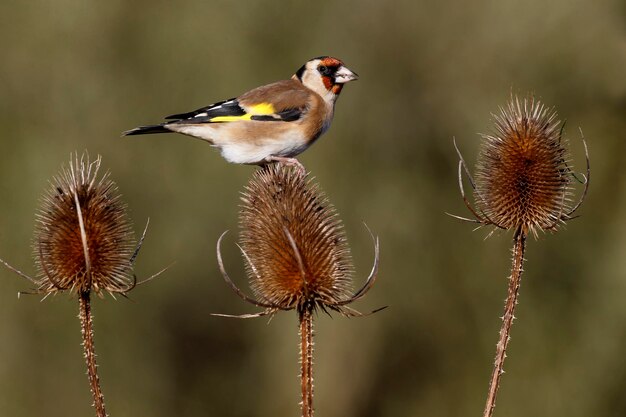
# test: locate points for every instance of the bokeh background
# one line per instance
(74, 74)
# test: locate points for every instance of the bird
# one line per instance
(271, 123)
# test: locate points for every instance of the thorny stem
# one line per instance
(306, 362)
(519, 244)
(89, 351)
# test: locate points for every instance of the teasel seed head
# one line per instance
(280, 212)
(523, 175)
(296, 252)
(83, 240)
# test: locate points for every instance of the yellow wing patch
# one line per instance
(260, 109)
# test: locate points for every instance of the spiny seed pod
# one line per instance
(523, 177)
(83, 239)
(522, 173)
(297, 251)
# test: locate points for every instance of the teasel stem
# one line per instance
(306, 362)
(89, 351)
(519, 245)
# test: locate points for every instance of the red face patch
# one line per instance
(328, 82)
(331, 62)
(336, 89)
(334, 63)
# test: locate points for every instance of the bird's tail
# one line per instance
(145, 130)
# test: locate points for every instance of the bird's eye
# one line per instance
(324, 70)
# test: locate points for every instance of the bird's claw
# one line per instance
(293, 162)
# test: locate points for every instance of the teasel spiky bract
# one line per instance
(523, 183)
(297, 256)
(84, 243)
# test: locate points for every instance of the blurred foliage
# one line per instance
(74, 74)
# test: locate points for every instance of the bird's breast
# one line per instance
(243, 144)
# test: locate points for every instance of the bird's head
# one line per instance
(325, 75)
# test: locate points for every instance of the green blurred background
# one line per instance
(74, 74)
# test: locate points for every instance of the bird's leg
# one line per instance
(287, 161)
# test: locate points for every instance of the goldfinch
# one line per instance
(271, 123)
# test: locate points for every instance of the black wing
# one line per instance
(223, 108)
(232, 110)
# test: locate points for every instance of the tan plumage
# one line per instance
(274, 122)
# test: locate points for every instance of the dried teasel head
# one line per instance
(83, 239)
(296, 252)
(296, 247)
(523, 177)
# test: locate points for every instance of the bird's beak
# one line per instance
(343, 75)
